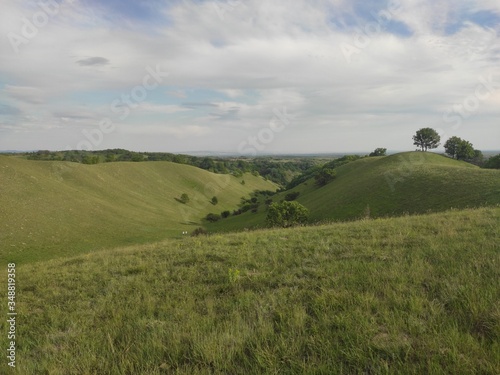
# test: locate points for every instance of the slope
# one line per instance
(405, 183)
(412, 295)
(59, 208)
(412, 183)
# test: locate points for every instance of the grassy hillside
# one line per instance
(53, 209)
(411, 182)
(409, 295)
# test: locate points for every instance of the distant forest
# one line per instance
(279, 170)
(286, 172)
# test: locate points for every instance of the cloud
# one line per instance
(230, 68)
(93, 61)
(32, 95)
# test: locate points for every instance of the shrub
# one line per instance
(199, 231)
(184, 198)
(287, 214)
(325, 176)
(246, 208)
(292, 196)
(214, 200)
(225, 214)
(493, 162)
(213, 217)
(379, 152)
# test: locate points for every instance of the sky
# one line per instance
(247, 76)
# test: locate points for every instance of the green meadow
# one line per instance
(407, 295)
(51, 209)
(397, 273)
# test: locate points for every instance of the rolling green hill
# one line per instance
(51, 209)
(407, 295)
(405, 183)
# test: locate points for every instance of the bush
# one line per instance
(184, 198)
(246, 208)
(213, 217)
(287, 214)
(493, 162)
(199, 231)
(225, 214)
(214, 200)
(325, 176)
(292, 196)
(379, 152)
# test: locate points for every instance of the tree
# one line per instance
(460, 149)
(379, 152)
(286, 214)
(214, 200)
(184, 198)
(426, 139)
(493, 162)
(451, 146)
(465, 150)
(325, 175)
(225, 214)
(478, 158)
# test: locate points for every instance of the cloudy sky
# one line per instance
(247, 76)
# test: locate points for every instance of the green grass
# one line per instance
(52, 209)
(405, 183)
(407, 295)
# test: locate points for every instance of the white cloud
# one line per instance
(228, 74)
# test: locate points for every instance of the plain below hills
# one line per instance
(51, 209)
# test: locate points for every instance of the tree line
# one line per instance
(278, 171)
(455, 147)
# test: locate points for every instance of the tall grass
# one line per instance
(410, 295)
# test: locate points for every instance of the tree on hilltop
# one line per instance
(426, 139)
(459, 148)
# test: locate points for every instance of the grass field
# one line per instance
(407, 295)
(410, 182)
(51, 209)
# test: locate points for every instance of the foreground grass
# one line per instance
(412, 295)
